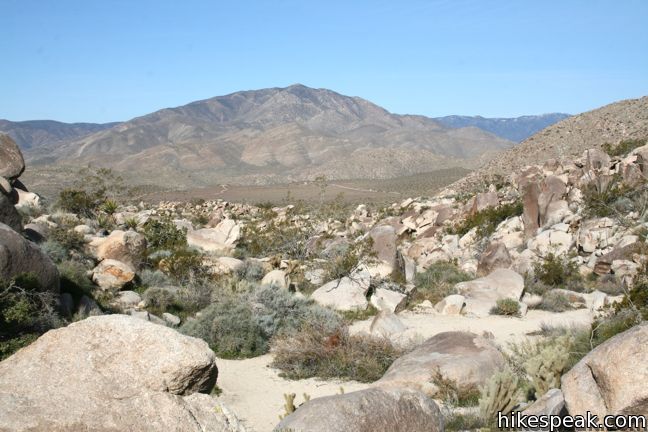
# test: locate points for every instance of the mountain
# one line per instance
(36, 133)
(273, 135)
(514, 129)
(613, 123)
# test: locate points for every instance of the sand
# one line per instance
(254, 391)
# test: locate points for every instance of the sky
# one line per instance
(111, 60)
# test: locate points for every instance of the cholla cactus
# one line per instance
(548, 364)
(500, 394)
(289, 405)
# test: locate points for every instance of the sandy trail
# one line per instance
(254, 391)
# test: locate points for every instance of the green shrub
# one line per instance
(162, 299)
(557, 271)
(269, 237)
(183, 265)
(251, 270)
(74, 279)
(67, 238)
(624, 147)
(26, 312)
(453, 395)
(241, 324)
(164, 234)
(343, 264)
(487, 220)
(77, 201)
(319, 352)
(437, 282)
(92, 190)
(457, 421)
(506, 307)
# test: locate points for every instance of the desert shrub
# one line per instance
(506, 307)
(68, 239)
(624, 147)
(164, 234)
(274, 237)
(457, 421)
(92, 190)
(183, 265)
(554, 271)
(26, 312)
(453, 395)
(359, 314)
(74, 279)
(162, 299)
(500, 394)
(56, 251)
(345, 263)
(152, 278)
(437, 282)
(251, 270)
(241, 324)
(487, 220)
(555, 301)
(319, 352)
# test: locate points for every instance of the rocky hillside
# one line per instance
(513, 129)
(529, 296)
(277, 134)
(611, 124)
(33, 134)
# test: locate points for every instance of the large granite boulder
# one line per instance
(384, 246)
(345, 294)
(20, 256)
(126, 246)
(112, 275)
(367, 410)
(8, 213)
(611, 379)
(111, 373)
(495, 256)
(12, 163)
(221, 238)
(462, 357)
(482, 294)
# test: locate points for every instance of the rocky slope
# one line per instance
(619, 121)
(514, 129)
(275, 134)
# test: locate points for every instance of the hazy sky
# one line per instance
(99, 61)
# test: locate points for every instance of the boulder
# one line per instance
(551, 403)
(465, 358)
(368, 410)
(112, 275)
(495, 256)
(482, 294)
(482, 201)
(277, 278)
(611, 379)
(128, 247)
(552, 241)
(345, 294)
(127, 300)
(386, 324)
(384, 246)
(27, 200)
(9, 215)
(530, 209)
(19, 256)
(451, 305)
(111, 373)
(12, 163)
(385, 299)
(221, 238)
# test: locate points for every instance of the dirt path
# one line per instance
(254, 391)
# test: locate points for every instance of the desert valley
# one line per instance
(295, 259)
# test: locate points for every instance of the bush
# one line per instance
(437, 282)
(487, 220)
(451, 394)
(164, 234)
(555, 271)
(183, 265)
(343, 264)
(506, 307)
(624, 147)
(77, 201)
(271, 237)
(93, 189)
(319, 352)
(26, 312)
(241, 324)
(555, 301)
(68, 239)
(251, 270)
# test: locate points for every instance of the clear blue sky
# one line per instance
(99, 61)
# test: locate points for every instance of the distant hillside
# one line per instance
(515, 129)
(274, 135)
(36, 133)
(613, 123)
